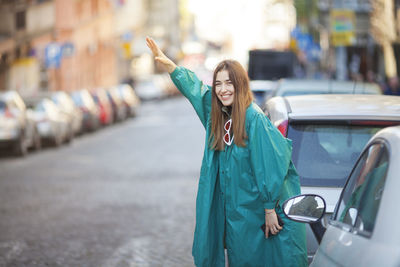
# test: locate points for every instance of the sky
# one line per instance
(247, 24)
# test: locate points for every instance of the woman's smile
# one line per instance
(226, 96)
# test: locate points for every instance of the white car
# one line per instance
(67, 106)
(328, 134)
(262, 89)
(129, 97)
(364, 228)
(17, 131)
(288, 87)
(153, 87)
(52, 123)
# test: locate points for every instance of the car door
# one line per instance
(350, 232)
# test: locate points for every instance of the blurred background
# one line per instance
(49, 45)
(99, 153)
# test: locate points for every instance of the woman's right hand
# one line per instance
(166, 63)
(271, 222)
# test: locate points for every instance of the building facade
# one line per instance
(48, 45)
(26, 26)
(84, 36)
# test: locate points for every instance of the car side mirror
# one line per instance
(305, 208)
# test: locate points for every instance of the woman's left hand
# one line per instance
(271, 222)
(166, 63)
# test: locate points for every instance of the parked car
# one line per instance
(120, 111)
(90, 112)
(289, 87)
(129, 98)
(66, 105)
(328, 134)
(363, 230)
(33, 131)
(104, 104)
(53, 125)
(17, 132)
(262, 89)
(151, 87)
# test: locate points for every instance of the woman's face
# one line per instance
(224, 88)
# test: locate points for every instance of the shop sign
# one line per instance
(342, 27)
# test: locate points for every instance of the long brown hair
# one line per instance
(242, 99)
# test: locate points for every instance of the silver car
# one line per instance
(90, 112)
(66, 105)
(17, 131)
(52, 123)
(129, 98)
(262, 89)
(364, 228)
(288, 87)
(328, 134)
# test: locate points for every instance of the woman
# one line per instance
(246, 174)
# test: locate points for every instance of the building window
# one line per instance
(20, 20)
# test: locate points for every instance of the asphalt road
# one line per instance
(122, 196)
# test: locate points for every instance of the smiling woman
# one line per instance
(246, 174)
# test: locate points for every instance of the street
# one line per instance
(121, 196)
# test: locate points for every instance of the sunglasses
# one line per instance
(227, 137)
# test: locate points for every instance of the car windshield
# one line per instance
(77, 99)
(40, 107)
(325, 154)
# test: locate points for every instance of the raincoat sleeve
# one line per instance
(270, 156)
(194, 90)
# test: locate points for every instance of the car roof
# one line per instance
(344, 107)
(263, 85)
(390, 134)
(33, 101)
(307, 86)
(6, 95)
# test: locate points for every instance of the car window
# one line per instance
(40, 107)
(77, 98)
(325, 154)
(56, 99)
(359, 203)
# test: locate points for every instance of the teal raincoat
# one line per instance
(235, 187)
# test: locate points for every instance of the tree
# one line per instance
(383, 29)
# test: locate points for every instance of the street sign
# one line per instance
(342, 27)
(68, 49)
(52, 55)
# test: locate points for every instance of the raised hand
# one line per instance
(166, 63)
